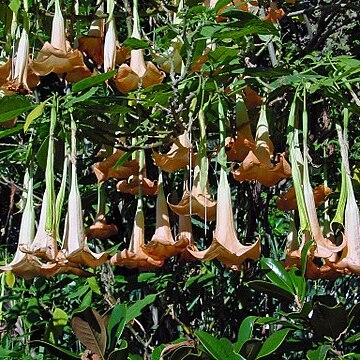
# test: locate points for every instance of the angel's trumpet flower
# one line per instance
(105, 169)
(138, 73)
(287, 201)
(238, 149)
(20, 78)
(24, 265)
(257, 165)
(197, 202)
(178, 156)
(314, 270)
(274, 14)
(57, 56)
(45, 243)
(162, 244)
(76, 248)
(131, 186)
(134, 256)
(185, 234)
(324, 248)
(225, 246)
(349, 262)
(100, 229)
(110, 46)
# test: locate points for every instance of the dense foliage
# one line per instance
(286, 68)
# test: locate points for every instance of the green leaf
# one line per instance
(220, 4)
(77, 99)
(34, 114)
(298, 281)
(93, 284)
(57, 351)
(353, 339)
(245, 332)
(219, 349)
(319, 353)
(304, 257)
(270, 289)
(328, 320)
(136, 309)
(272, 343)
(9, 132)
(89, 327)
(15, 5)
(12, 106)
(120, 353)
(92, 81)
(278, 275)
(134, 43)
(116, 324)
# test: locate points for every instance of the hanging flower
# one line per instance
(162, 244)
(101, 229)
(349, 262)
(131, 186)
(225, 246)
(134, 256)
(274, 14)
(57, 56)
(139, 73)
(21, 79)
(105, 170)
(185, 234)
(197, 202)
(252, 98)
(178, 156)
(75, 245)
(243, 143)
(288, 202)
(24, 265)
(257, 165)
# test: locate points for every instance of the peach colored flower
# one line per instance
(100, 229)
(274, 14)
(162, 244)
(178, 156)
(257, 165)
(225, 246)
(287, 201)
(131, 186)
(134, 256)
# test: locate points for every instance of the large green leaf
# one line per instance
(116, 324)
(89, 327)
(318, 353)
(9, 132)
(278, 275)
(245, 332)
(136, 309)
(34, 114)
(271, 289)
(219, 349)
(272, 343)
(12, 106)
(92, 81)
(328, 320)
(55, 350)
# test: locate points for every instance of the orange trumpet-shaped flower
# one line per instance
(178, 156)
(349, 262)
(315, 269)
(75, 246)
(252, 98)
(139, 72)
(257, 165)
(134, 256)
(105, 170)
(225, 246)
(93, 44)
(288, 202)
(185, 234)
(198, 201)
(24, 265)
(100, 229)
(5, 72)
(57, 56)
(131, 186)
(274, 14)
(162, 244)
(244, 142)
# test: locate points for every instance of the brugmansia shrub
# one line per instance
(208, 171)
